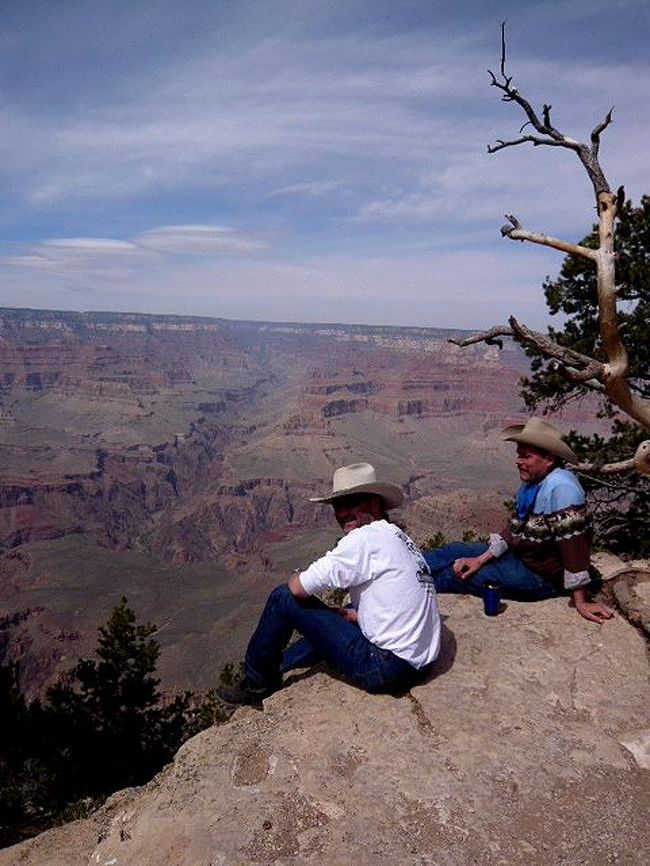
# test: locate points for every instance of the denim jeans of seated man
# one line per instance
(517, 581)
(326, 637)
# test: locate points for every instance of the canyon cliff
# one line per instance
(529, 744)
(171, 459)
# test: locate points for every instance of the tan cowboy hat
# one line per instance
(540, 434)
(361, 478)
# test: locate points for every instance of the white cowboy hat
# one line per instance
(361, 478)
(540, 434)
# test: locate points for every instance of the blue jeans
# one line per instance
(517, 581)
(326, 637)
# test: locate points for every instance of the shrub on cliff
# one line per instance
(105, 727)
(110, 726)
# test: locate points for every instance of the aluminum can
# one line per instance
(491, 598)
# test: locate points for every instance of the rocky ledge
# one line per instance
(528, 745)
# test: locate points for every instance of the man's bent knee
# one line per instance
(280, 592)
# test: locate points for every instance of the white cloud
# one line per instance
(96, 264)
(89, 245)
(200, 240)
(313, 189)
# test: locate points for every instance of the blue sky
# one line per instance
(302, 160)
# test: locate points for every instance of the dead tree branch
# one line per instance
(516, 233)
(488, 337)
(609, 378)
(564, 355)
(574, 365)
(549, 135)
(639, 463)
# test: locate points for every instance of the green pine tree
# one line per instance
(103, 727)
(621, 503)
(110, 727)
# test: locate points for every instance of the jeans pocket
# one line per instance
(370, 673)
(385, 672)
(372, 679)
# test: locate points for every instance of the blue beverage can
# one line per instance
(491, 598)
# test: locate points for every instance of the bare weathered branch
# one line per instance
(503, 49)
(587, 372)
(576, 366)
(533, 139)
(609, 378)
(516, 233)
(586, 377)
(640, 463)
(598, 129)
(548, 135)
(484, 336)
(550, 349)
(605, 468)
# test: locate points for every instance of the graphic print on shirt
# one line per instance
(423, 572)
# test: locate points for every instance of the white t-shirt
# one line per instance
(390, 586)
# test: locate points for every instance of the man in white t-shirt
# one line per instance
(389, 637)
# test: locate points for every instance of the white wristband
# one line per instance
(497, 545)
(574, 579)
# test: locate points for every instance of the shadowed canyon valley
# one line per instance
(171, 459)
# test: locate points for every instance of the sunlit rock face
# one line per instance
(525, 746)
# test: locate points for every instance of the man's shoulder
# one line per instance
(394, 538)
(371, 533)
(375, 527)
(385, 530)
(379, 533)
(560, 489)
(562, 478)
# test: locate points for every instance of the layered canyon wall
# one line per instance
(140, 452)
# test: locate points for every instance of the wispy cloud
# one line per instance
(314, 189)
(99, 261)
(200, 240)
(89, 245)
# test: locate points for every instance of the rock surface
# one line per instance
(526, 747)
(632, 592)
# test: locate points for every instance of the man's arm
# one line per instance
(466, 567)
(297, 590)
(591, 610)
(571, 523)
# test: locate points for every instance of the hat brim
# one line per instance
(517, 433)
(392, 495)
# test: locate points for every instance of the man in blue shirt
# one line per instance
(544, 549)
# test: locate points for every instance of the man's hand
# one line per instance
(466, 567)
(348, 613)
(591, 610)
(295, 587)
